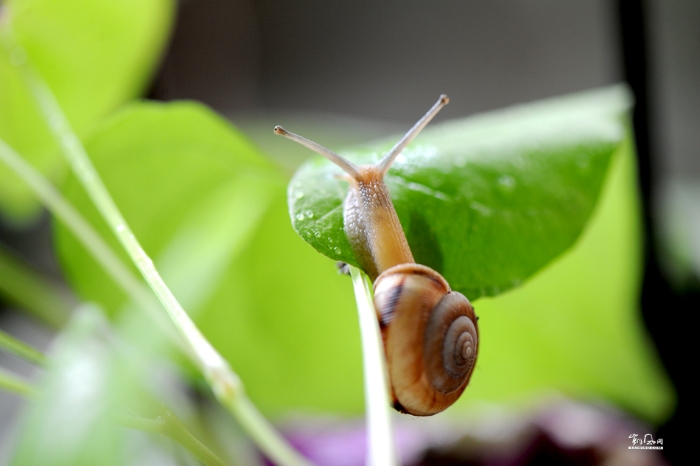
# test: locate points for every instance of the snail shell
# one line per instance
(430, 338)
(429, 331)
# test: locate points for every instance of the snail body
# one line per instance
(429, 332)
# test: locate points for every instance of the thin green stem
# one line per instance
(86, 234)
(380, 438)
(21, 349)
(12, 383)
(169, 425)
(32, 292)
(225, 384)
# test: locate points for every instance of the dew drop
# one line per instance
(298, 195)
(337, 250)
(300, 216)
(309, 214)
(481, 208)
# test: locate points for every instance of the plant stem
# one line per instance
(28, 289)
(225, 384)
(93, 242)
(21, 349)
(380, 438)
(12, 383)
(169, 425)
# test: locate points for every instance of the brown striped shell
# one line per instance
(430, 338)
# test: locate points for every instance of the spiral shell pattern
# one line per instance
(450, 343)
(430, 338)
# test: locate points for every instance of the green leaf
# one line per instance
(486, 201)
(575, 327)
(180, 174)
(93, 54)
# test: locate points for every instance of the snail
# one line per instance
(429, 332)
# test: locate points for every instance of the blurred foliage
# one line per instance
(69, 422)
(576, 325)
(94, 55)
(212, 212)
(272, 292)
(679, 235)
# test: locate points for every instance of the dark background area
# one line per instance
(387, 60)
(375, 67)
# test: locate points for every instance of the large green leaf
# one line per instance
(93, 54)
(575, 327)
(167, 167)
(488, 200)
